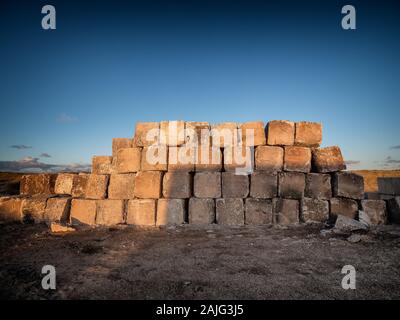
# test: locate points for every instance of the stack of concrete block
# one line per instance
(192, 177)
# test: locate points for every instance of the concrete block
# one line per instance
(121, 186)
(177, 185)
(207, 185)
(64, 183)
(312, 209)
(146, 134)
(197, 133)
(389, 185)
(208, 159)
(375, 210)
(343, 206)
(11, 208)
(141, 212)
(128, 160)
(263, 185)
(393, 206)
(328, 159)
(348, 185)
(170, 212)
(252, 134)
(102, 165)
(33, 209)
(234, 186)
(154, 158)
(172, 133)
(96, 186)
(148, 184)
(32, 184)
(120, 143)
(224, 134)
(269, 158)
(258, 211)
(201, 211)
(181, 158)
(280, 132)
(297, 159)
(110, 212)
(83, 212)
(79, 185)
(292, 185)
(238, 157)
(57, 209)
(318, 186)
(230, 211)
(286, 211)
(308, 134)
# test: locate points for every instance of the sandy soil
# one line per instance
(198, 263)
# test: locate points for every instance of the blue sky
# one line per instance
(109, 64)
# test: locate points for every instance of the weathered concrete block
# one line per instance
(348, 185)
(11, 208)
(208, 159)
(345, 207)
(154, 158)
(207, 185)
(328, 159)
(280, 132)
(314, 210)
(32, 184)
(263, 185)
(389, 185)
(57, 209)
(83, 212)
(252, 134)
(258, 211)
(64, 183)
(201, 211)
(128, 160)
(268, 158)
(79, 185)
(224, 134)
(292, 185)
(33, 208)
(318, 186)
(146, 134)
(393, 206)
(375, 210)
(110, 212)
(141, 212)
(177, 185)
(234, 186)
(121, 186)
(286, 211)
(148, 184)
(96, 186)
(237, 157)
(172, 133)
(197, 133)
(102, 165)
(181, 158)
(230, 211)
(297, 159)
(308, 134)
(170, 212)
(120, 143)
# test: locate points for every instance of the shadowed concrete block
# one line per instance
(269, 158)
(102, 165)
(177, 185)
(230, 211)
(64, 183)
(11, 208)
(375, 210)
(83, 212)
(280, 132)
(394, 209)
(148, 184)
(181, 158)
(238, 157)
(308, 134)
(286, 211)
(318, 186)
(263, 185)
(348, 185)
(172, 133)
(79, 185)
(389, 185)
(258, 211)
(154, 158)
(201, 211)
(316, 210)
(208, 159)
(197, 133)
(121, 186)
(207, 185)
(32, 184)
(328, 159)
(224, 134)
(252, 134)
(297, 159)
(141, 212)
(170, 212)
(33, 208)
(146, 134)
(292, 185)
(345, 207)
(120, 143)
(96, 186)
(234, 186)
(128, 160)
(57, 209)
(110, 212)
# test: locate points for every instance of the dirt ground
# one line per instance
(185, 262)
